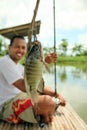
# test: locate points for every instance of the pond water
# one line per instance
(72, 84)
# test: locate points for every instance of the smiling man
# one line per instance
(15, 105)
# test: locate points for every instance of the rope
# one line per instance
(30, 33)
(55, 83)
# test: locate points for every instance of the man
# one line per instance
(15, 105)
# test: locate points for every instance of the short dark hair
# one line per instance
(16, 36)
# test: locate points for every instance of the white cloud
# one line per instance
(72, 20)
(83, 39)
(69, 14)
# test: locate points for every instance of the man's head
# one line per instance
(46, 108)
(17, 48)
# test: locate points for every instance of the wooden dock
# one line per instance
(64, 119)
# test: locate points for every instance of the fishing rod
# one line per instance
(54, 23)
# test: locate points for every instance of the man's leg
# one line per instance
(18, 109)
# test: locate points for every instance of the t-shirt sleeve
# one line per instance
(11, 73)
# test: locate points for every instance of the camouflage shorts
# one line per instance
(18, 109)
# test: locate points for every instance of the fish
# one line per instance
(33, 69)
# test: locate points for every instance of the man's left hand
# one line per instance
(62, 100)
(52, 57)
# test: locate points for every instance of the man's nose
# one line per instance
(20, 49)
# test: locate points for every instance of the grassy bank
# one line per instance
(72, 59)
(66, 59)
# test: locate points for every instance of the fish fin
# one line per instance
(46, 67)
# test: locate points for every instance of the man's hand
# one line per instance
(62, 100)
(52, 57)
(49, 91)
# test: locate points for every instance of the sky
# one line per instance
(70, 19)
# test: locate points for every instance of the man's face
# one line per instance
(18, 49)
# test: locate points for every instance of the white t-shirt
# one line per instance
(9, 73)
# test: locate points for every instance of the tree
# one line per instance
(78, 49)
(48, 50)
(63, 46)
(3, 47)
(0, 45)
(84, 53)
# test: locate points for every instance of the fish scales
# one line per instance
(33, 69)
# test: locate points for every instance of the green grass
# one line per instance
(66, 60)
(72, 59)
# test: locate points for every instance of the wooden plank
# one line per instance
(20, 30)
(65, 118)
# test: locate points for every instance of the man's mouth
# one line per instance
(19, 54)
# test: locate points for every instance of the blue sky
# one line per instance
(71, 19)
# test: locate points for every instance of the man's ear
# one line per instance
(9, 46)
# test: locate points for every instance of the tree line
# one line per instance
(62, 48)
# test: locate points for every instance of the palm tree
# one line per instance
(63, 46)
(78, 49)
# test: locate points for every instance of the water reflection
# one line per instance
(72, 84)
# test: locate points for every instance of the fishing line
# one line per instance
(54, 24)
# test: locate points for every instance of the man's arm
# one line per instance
(50, 92)
(20, 84)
